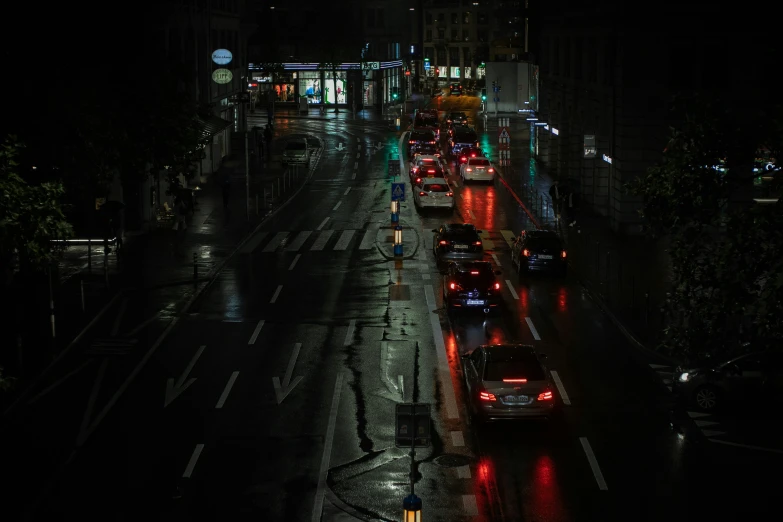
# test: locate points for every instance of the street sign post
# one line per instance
(394, 169)
(412, 425)
(504, 142)
(398, 191)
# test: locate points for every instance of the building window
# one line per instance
(329, 88)
(454, 35)
(428, 18)
(454, 55)
(482, 18)
(466, 17)
(465, 35)
(441, 33)
(428, 35)
(483, 35)
(454, 19)
(310, 86)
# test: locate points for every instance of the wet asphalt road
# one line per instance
(311, 335)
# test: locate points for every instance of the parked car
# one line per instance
(433, 193)
(539, 250)
(508, 382)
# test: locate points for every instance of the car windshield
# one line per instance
(514, 368)
(436, 187)
(480, 162)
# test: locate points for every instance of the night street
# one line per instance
(273, 397)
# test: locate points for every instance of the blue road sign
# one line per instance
(398, 191)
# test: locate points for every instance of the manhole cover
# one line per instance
(452, 460)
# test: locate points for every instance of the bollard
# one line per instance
(411, 508)
(195, 268)
(395, 212)
(397, 241)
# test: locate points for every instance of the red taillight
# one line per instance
(453, 286)
(450, 194)
(430, 171)
(497, 286)
(411, 142)
(473, 155)
(474, 272)
(477, 243)
(515, 380)
(491, 170)
(563, 254)
(432, 143)
(463, 158)
(418, 180)
(468, 170)
(422, 193)
(486, 396)
(526, 252)
(443, 242)
(545, 396)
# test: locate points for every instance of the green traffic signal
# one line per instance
(483, 97)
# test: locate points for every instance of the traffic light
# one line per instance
(494, 84)
(483, 97)
(437, 71)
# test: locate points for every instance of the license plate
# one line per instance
(544, 257)
(462, 247)
(516, 398)
(475, 302)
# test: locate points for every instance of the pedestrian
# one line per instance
(181, 209)
(554, 194)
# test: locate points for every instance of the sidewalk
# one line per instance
(148, 261)
(627, 276)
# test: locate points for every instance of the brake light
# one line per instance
(474, 272)
(430, 171)
(473, 155)
(418, 180)
(432, 143)
(545, 396)
(463, 158)
(443, 242)
(515, 380)
(422, 193)
(491, 170)
(563, 254)
(453, 286)
(469, 170)
(486, 396)
(526, 252)
(497, 286)
(411, 142)
(477, 243)
(415, 169)
(450, 194)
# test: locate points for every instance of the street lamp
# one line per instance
(411, 506)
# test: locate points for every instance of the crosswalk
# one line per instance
(350, 239)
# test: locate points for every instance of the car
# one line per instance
(431, 112)
(455, 89)
(508, 382)
(470, 152)
(420, 137)
(539, 250)
(422, 161)
(426, 149)
(471, 284)
(456, 126)
(433, 193)
(457, 242)
(477, 169)
(462, 137)
(755, 378)
(425, 121)
(457, 117)
(296, 152)
(427, 172)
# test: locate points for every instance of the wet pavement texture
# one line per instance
(273, 397)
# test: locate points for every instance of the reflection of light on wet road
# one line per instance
(562, 299)
(524, 299)
(546, 502)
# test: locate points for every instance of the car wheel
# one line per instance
(707, 398)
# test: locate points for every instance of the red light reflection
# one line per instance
(524, 298)
(451, 347)
(562, 300)
(546, 500)
(489, 209)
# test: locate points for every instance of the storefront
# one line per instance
(346, 85)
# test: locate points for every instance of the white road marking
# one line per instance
(463, 472)
(656, 366)
(471, 214)
(223, 396)
(444, 372)
(175, 389)
(425, 276)
(257, 331)
(282, 389)
(560, 388)
(669, 388)
(369, 239)
(509, 236)
(251, 245)
(599, 477)
(347, 191)
(353, 176)
(323, 238)
(349, 334)
(357, 155)
(667, 381)
(193, 460)
(293, 263)
(276, 294)
(486, 241)
(703, 423)
(272, 245)
(456, 183)
(318, 506)
(298, 241)
(713, 433)
(142, 325)
(358, 140)
(511, 289)
(697, 414)
(355, 165)
(323, 223)
(495, 258)
(470, 506)
(457, 439)
(533, 330)
(96, 387)
(747, 446)
(120, 314)
(337, 206)
(345, 240)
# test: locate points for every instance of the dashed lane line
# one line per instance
(511, 289)
(293, 263)
(337, 205)
(323, 223)
(224, 396)
(599, 476)
(256, 332)
(533, 330)
(193, 461)
(276, 294)
(560, 388)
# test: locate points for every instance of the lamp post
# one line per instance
(411, 506)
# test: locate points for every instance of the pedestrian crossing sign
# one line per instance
(504, 133)
(398, 192)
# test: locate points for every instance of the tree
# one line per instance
(725, 252)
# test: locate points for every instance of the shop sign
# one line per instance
(371, 66)
(222, 56)
(222, 76)
(590, 148)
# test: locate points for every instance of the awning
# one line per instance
(211, 125)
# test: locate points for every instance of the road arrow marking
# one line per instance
(340, 147)
(282, 390)
(711, 433)
(704, 424)
(379, 146)
(174, 390)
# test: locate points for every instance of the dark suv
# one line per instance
(471, 285)
(461, 137)
(456, 242)
(539, 250)
(424, 121)
(457, 117)
(420, 137)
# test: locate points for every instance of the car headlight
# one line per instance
(686, 376)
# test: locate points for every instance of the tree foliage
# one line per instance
(31, 216)
(726, 264)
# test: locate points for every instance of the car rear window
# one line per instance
(549, 243)
(465, 136)
(480, 162)
(422, 136)
(436, 187)
(461, 235)
(517, 368)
